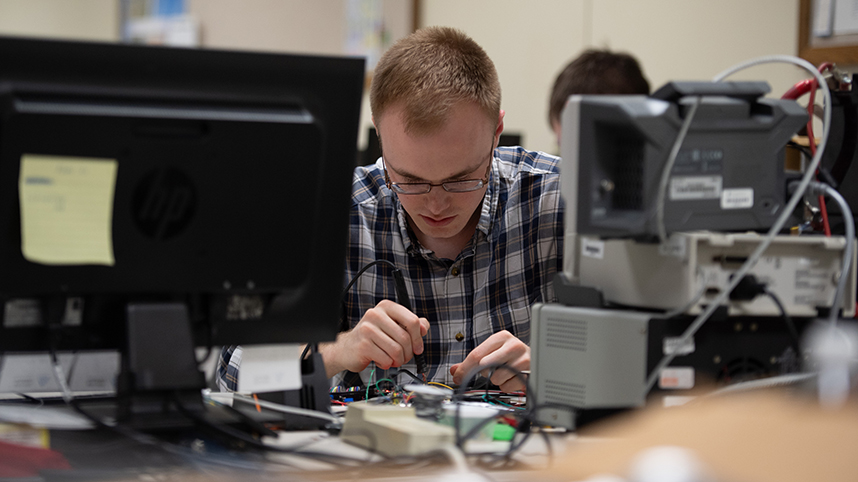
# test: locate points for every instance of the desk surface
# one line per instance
(764, 437)
(116, 459)
(759, 437)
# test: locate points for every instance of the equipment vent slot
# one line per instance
(566, 334)
(563, 393)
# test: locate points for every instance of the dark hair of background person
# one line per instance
(596, 72)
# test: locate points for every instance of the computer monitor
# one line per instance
(137, 176)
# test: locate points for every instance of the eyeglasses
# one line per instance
(465, 185)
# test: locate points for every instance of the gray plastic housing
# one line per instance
(729, 174)
(585, 358)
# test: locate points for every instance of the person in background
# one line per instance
(595, 72)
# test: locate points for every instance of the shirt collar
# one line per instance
(490, 200)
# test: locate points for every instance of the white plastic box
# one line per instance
(802, 271)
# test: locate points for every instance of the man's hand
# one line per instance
(389, 335)
(500, 348)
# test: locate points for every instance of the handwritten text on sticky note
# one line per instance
(67, 209)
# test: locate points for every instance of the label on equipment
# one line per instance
(684, 188)
(739, 198)
(672, 346)
(593, 248)
(676, 378)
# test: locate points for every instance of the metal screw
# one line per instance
(607, 185)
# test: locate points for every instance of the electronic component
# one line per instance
(595, 361)
(689, 166)
(802, 271)
(728, 175)
(586, 358)
(403, 299)
(393, 430)
(116, 145)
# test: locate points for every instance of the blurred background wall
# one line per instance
(530, 41)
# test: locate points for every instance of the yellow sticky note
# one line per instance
(20, 434)
(67, 209)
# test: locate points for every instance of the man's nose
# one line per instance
(437, 198)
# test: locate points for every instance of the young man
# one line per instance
(476, 230)
(595, 72)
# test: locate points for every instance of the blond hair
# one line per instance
(429, 72)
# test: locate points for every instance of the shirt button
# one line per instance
(460, 336)
(455, 271)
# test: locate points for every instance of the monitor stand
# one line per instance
(159, 384)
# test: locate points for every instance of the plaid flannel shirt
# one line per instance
(508, 265)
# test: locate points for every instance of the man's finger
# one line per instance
(465, 368)
(380, 336)
(513, 385)
(409, 322)
(475, 359)
(508, 354)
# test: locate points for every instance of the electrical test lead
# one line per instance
(402, 299)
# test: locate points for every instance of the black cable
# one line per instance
(250, 422)
(132, 434)
(135, 435)
(222, 428)
(243, 437)
(527, 418)
(826, 176)
(31, 398)
(824, 172)
(314, 346)
(362, 271)
(146, 439)
(803, 149)
(787, 320)
(401, 298)
(528, 415)
(415, 377)
(70, 400)
(164, 446)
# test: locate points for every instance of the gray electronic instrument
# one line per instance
(728, 176)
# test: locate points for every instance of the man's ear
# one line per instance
(499, 128)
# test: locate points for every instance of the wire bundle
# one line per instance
(798, 190)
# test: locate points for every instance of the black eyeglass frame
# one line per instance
(397, 186)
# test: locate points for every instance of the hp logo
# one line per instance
(164, 203)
